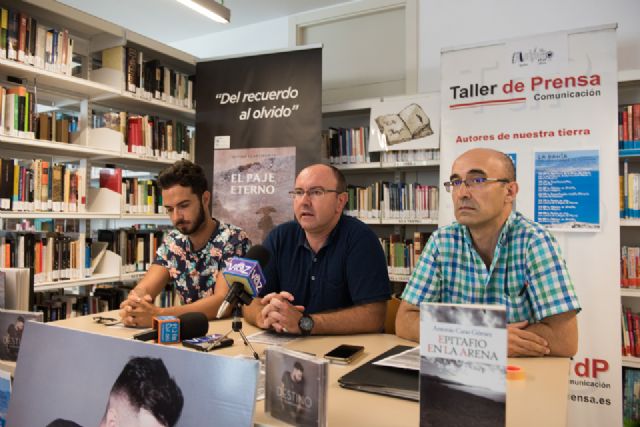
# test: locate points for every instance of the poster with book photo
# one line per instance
(463, 357)
(12, 324)
(405, 123)
(296, 387)
(251, 186)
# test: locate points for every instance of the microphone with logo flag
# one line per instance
(171, 329)
(244, 277)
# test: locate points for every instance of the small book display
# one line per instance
(12, 324)
(296, 387)
(463, 357)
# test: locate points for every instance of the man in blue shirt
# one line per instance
(493, 255)
(328, 272)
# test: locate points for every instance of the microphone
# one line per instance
(192, 325)
(244, 277)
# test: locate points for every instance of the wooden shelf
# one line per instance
(358, 166)
(39, 147)
(155, 217)
(631, 362)
(410, 165)
(629, 222)
(403, 278)
(88, 281)
(630, 292)
(59, 215)
(130, 102)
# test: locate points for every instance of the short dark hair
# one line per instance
(146, 383)
(298, 366)
(20, 319)
(186, 174)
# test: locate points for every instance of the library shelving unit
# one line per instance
(378, 168)
(629, 94)
(81, 89)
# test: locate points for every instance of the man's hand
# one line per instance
(525, 343)
(279, 314)
(138, 311)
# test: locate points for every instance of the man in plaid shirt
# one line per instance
(494, 255)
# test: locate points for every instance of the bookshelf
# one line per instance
(79, 88)
(629, 94)
(365, 170)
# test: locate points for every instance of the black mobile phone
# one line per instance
(208, 342)
(344, 353)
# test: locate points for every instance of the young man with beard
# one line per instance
(192, 256)
(328, 272)
(494, 255)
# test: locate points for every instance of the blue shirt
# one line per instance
(527, 274)
(194, 272)
(350, 269)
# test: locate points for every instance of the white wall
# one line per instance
(264, 36)
(444, 24)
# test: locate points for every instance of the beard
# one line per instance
(186, 230)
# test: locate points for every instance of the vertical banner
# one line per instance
(551, 102)
(260, 101)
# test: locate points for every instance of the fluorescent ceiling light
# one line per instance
(209, 8)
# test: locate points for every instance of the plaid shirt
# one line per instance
(527, 273)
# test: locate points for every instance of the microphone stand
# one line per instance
(236, 326)
(242, 298)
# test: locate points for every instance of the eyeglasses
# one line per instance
(472, 183)
(313, 193)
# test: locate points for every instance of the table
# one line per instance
(540, 399)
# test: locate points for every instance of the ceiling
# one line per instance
(168, 21)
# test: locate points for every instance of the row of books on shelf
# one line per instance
(53, 256)
(347, 145)
(136, 246)
(631, 396)
(148, 79)
(393, 200)
(40, 185)
(70, 256)
(18, 117)
(140, 196)
(629, 127)
(410, 156)
(630, 332)
(148, 135)
(24, 39)
(630, 267)
(402, 254)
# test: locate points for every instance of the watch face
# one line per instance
(306, 323)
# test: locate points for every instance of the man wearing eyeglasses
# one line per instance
(328, 272)
(494, 255)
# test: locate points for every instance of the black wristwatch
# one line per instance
(305, 324)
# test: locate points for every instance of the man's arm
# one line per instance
(139, 308)
(555, 335)
(282, 316)
(408, 321)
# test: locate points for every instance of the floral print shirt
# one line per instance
(194, 272)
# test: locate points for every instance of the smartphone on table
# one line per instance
(344, 353)
(208, 342)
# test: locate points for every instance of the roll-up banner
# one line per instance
(258, 122)
(550, 102)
